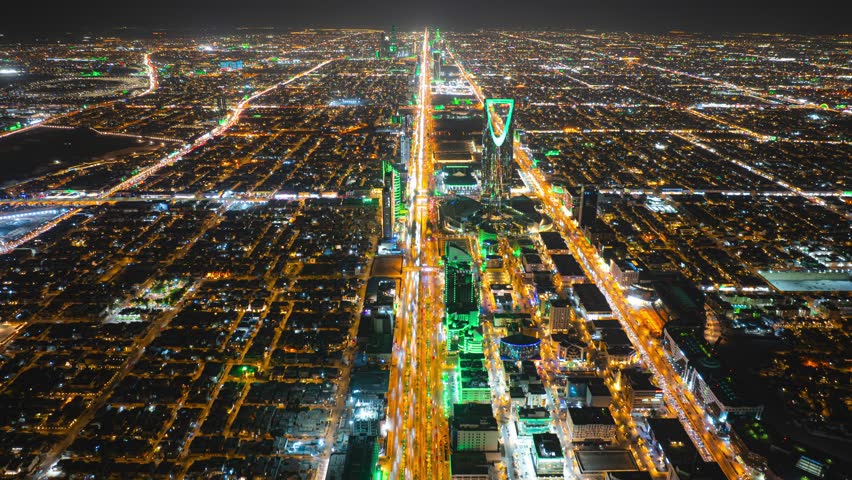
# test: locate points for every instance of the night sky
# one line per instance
(805, 16)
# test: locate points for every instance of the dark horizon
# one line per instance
(658, 16)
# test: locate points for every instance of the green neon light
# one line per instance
(552, 153)
(489, 102)
(439, 107)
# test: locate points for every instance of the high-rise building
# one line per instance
(404, 149)
(460, 290)
(388, 205)
(437, 60)
(497, 150)
(221, 104)
(393, 180)
(392, 46)
(384, 45)
(587, 211)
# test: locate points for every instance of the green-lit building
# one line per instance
(461, 295)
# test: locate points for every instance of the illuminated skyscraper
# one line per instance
(388, 205)
(221, 104)
(437, 60)
(497, 149)
(392, 190)
(587, 211)
(461, 296)
(405, 139)
(404, 149)
(392, 46)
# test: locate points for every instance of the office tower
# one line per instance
(221, 104)
(404, 149)
(392, 46)
(393, 181)
(588, 208)
(437, 60)
(460, 289)
(387, 206)
(497, 150)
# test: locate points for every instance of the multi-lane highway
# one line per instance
(417, 443)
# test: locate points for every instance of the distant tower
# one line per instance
(393, 184)
(384, 45)
(391, 198)
(405, 139)
(392, 47)
(404, 149)
(388, 205)
(221, 104)
(437, 60)
(497, 150)
(587, 211)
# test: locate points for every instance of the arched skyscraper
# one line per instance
(497, 149)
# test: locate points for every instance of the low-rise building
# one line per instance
(536, 395)
(590, 425)
(625, 271)
(591, 303)
(519, 347)
(680, 460)
(568, 269)
(547, 455)
(597, 462)
(474, 428)
(640, 390)
(560, 315)
(569, 347)
(472, 466)
(531, 420)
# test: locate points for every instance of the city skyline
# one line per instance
(425, 253)
(657, 16)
